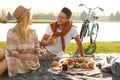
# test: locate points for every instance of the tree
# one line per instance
(117, 16)
(92, 14)
(3, 20)
(83, 15)
(9, 16)
(111, 17)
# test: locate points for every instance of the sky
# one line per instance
(56, 5)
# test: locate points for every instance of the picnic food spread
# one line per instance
(73, 63)
(56, 66)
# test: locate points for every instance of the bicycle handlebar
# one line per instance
(91, 8)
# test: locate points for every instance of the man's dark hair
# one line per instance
(67, 12)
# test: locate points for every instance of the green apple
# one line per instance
(76, 65)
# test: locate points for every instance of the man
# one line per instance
(62, 32)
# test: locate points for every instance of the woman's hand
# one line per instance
(29, 57)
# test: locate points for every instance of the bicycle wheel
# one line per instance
(94, 34)
(83, 31)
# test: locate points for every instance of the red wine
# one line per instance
(64, 67)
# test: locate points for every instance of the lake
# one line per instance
(107, 31)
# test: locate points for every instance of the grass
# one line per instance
(100, 47)
(3, 45)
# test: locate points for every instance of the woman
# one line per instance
(22, 45)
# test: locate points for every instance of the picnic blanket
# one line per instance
(43, 74)
(111, 62)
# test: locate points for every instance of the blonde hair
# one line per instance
(22, 28)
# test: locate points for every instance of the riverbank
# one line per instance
(44, 21)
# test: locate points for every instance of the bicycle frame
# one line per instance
(93, 26)
(88, 18)
(87, 21)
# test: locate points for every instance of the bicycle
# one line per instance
(85, 29)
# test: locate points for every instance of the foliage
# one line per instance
(9, 16)
(3, 20)
(42, 21)
(115, 17)
(79, 15)
(111, 18)
(40, 15)
(83, 15)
